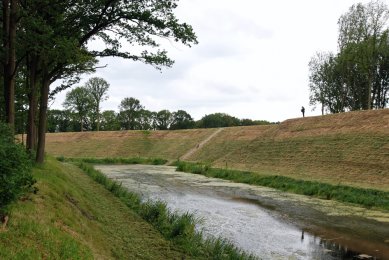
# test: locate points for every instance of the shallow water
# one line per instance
(263, 221)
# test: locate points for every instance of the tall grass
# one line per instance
(365, 197)
(178, 228)
(135, 160)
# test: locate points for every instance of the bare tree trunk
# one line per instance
(45, 88)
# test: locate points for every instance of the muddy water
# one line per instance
(263, 221)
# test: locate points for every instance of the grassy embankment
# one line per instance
(73, 217)
(169, 145)
(343, 149)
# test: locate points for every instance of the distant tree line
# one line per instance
(82, 113)
(357, 77)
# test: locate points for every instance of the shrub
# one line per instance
(15, 169)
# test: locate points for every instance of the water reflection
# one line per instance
(238, 215)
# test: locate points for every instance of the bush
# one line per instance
(15, 169)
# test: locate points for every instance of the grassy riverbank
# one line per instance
(73, 217)
(366, 197)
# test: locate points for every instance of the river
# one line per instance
(268, 223)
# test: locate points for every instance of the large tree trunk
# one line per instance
(32, 102)
(9, 41)
(45, 88)
(5, 40)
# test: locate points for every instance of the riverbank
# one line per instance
(73, 217)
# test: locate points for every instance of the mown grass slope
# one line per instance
(349, 148)
(73, 217)
(162, 144)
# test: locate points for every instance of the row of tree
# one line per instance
(83, 113)
(48, 40)
(357, 77)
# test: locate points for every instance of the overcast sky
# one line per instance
(251, 60)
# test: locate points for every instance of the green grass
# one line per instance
(365, 197)
(179, 229)
(135, 160)
(73, 217)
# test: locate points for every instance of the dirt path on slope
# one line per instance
(201, 144)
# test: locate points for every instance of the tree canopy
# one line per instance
(356, 77)
(44, 41)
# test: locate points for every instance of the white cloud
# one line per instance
(251, 62)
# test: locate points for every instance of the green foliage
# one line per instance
(109, 121)
(97, 88)
(357, 76)
(181, 120)
(130, 111)
(218, 120)
(224, 120)
(365, 197)
(15, 169)
(163, 119)
(79, 101)
(180, 229)
(132, 116)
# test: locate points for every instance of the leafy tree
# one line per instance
(248, 122)
(218, 120)
(325, 83)
(130, 109)
(109, 121)
(97, 88)
(163, 119)
(53, 42)
(146, 119)
(360, 30)
(356, 77)
(181, 120)
(62, 121)
(79, 100)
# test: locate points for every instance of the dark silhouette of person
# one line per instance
(303, 111)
